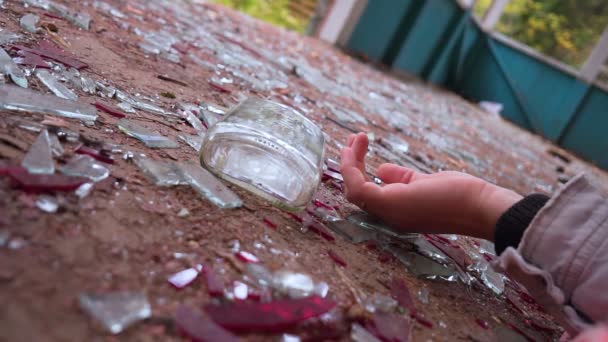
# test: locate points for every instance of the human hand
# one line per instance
(443, 202)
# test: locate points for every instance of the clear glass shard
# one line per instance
(39, 158)
(116, 311)
(321, 289)
(54, 85)
(29, 22)
(395, 144)
(85, 166)
(367, 221)
(424, 267)
(260, 273)
(209, 186)
(125, 107)
(380, 303)
(359, 334)
(290, 338)
(56, 146)
(208, 117)
(160, 173)
(84, 190)
(9, 68)
(293, 284)
(194, 141)
(194, 121)
(47, 204)
(140, 104)
(26, 100)
(8, 37)
(351, 232)
(148, 137)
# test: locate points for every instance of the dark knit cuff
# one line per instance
(512, 224)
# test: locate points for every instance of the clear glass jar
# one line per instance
(269, 149)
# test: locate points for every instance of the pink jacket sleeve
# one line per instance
(563, 257)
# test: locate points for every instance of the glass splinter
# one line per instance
(160, 173)
(8, 67)
(30, 101)
(116, 311)
(39, 158)
(85, 166)
(210, 187)
(148, 137)
(56, 87)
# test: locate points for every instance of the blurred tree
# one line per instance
(564, 29)
(273, 11)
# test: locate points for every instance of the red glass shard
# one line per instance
(215, 286)
(391, 327)
(219, 88)
(247, 257)
(334, 175)
(33, 60)
(420, 319)
(6, 168)
(336, 258)
(298, 218)
(457, 254)
(401, 293)
(527, 298)
(385, 257)
(319, 229)
(269, 223)
(115, 112)
(320, 204)
(51, 51)
(482, 323)
(199, 327)
(37, 183)
(51, 15)
(272, 317)
(514, 301)
(98, 155)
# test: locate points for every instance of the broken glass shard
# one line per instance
(194, 121)
(336, 258)
(194, 141)
(240, 290)
(391, 327)
(159, 173)
(247, 257)
(39, 158)
(29, 59)
(8, 37)
(56, 147)
(127, 108)
(290, 338)
(359, 334)
(260, 273)
(51, 51)
(184, 278)
(9, 68)
(116, 311)
(380, 303)
(26, 100)
(29, 22)
(110, 110)
(141, 104)
(47, 204)
(199, 327)
(100, 155)
(37, 183)
(395, 144)
(209, 186)
(53, 84)
(294, 285)
(85, 166)
(367, 221)
(148, 137)
(84, 190)
(276, 316)
(351, 232)
(321, 289)
(401, 293)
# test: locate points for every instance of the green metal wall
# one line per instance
(438, 41)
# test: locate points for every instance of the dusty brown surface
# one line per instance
(123, 236)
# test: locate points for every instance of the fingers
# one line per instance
(391, 173)
(359, 146)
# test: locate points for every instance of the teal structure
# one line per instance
(439, 41)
